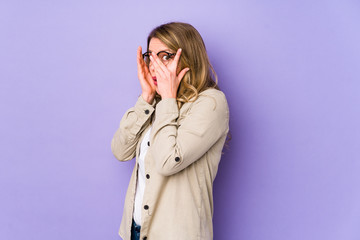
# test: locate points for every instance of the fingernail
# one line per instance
(151, 58)
(180, 49)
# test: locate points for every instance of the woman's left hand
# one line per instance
(167, 78)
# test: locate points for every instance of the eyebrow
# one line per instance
(166, 50)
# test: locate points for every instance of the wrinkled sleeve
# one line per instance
(174, 146)
(126, 137)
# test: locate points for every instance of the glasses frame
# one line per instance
(148, 54)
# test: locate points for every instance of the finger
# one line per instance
(139, 54)
(159, 73)
(157, 62)
(159, 76)
(182, 74)
(143, 72)
(151, 81)
(138, 60)
(177, 57)
(139, 57)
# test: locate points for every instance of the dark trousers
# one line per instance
(135, 231)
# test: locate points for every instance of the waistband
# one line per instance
(135, 226)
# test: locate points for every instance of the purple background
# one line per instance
(290, 70)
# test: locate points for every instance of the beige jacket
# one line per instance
(181, 164)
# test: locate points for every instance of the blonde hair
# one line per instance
(202, 75)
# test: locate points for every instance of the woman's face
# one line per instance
(157, 46)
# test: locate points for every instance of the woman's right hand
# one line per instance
(147, 84)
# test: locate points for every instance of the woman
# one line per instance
(176, 131)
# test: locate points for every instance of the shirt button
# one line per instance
(177, 159)
(149, 144)
(144, 238)
(147, 176)
(146, 207)
(147, 111)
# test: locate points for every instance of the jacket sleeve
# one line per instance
(126, 137)
(174, 146)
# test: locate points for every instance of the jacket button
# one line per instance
(149, 144)
(146, 207)
(177, 159)
(147, 111)
(147, 176)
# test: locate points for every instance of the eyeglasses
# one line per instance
(164, 56)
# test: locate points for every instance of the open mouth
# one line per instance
(155, 81)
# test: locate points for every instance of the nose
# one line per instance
(151, 69)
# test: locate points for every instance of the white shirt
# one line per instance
(140, 187)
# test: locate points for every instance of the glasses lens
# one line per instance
(146, 57)
(164, 57)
